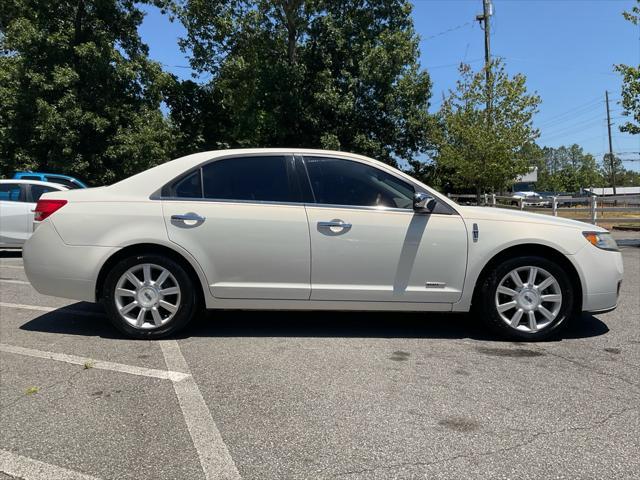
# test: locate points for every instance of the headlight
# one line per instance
(602, 240)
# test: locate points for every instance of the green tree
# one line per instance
(567, 169)
(631, 83)
(77, 92)
(487, 148)
(313, 73)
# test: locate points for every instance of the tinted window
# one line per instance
(38, 190)
(248, 178)
(31, 177)
(188, 186)
(343, 182)
(63, 181)
(10, 192)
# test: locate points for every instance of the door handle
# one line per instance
(334, 224)
(188, 217)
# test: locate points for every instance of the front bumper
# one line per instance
(61, 270)
(602, 272)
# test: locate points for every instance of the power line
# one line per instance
(449, 30)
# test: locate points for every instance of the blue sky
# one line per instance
(566, 48)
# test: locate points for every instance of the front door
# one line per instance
(241, 219)
(368, 244)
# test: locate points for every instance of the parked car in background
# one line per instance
(530, 199)
(274, 229)
(69, 182)
(18, 200)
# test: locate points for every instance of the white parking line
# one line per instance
(17, 267)
(19, 282)
(99, 364)
(38, 308)
(214, 455)
(29, 469)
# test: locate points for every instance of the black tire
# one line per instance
(486, 299)
(187, 308)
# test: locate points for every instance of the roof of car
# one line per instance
(34, 182)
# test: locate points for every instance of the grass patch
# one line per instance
(31, 390)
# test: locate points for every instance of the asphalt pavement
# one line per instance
(315, 395)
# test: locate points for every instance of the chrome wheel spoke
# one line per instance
(127, 308)
(506, 306)
(552, 297)
(546, 313)
(507, 291)
(546, 283)
(146, 272)
(123, 292)
(170, 291)
(162, 278)
(140, 318)
(157, 318)
(168, 306)
(533, 272)
(533, 324)
(515, 320)
(515, 276)
(135, 281)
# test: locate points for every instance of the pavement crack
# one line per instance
(488, 453)
(590, 368)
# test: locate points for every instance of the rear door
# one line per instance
(242, 219)
(16, 215)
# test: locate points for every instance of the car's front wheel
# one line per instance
(149, 296)
(527, 298)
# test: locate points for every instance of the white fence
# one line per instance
(588, 208)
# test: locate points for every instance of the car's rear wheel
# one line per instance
(527, 298)
(149, 296)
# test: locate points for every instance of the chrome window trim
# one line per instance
(157, 195)
(292, 204)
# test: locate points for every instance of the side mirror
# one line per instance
(423, 202)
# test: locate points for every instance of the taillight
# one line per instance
(46, 208)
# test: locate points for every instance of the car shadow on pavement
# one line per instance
(73, 320)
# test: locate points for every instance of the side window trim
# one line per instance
(353, 207)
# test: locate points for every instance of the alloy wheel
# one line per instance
(528, 299)
(147, 296)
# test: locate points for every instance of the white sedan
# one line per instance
(17, 201)
(272, 229)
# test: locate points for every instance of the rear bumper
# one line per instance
(61, 270)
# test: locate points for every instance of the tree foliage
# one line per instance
(313, 73)
(566, 169)
(77, 91)
(486, 148)
(631, 83)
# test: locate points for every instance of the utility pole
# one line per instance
(484, 18)
(611, 158)
(487, 12)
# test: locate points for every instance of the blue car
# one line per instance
(65, 180)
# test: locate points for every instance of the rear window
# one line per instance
(62, 181)
(38, 190)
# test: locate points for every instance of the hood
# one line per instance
(518, 216)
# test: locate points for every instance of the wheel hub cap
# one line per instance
(528, 299)
(148, 297)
